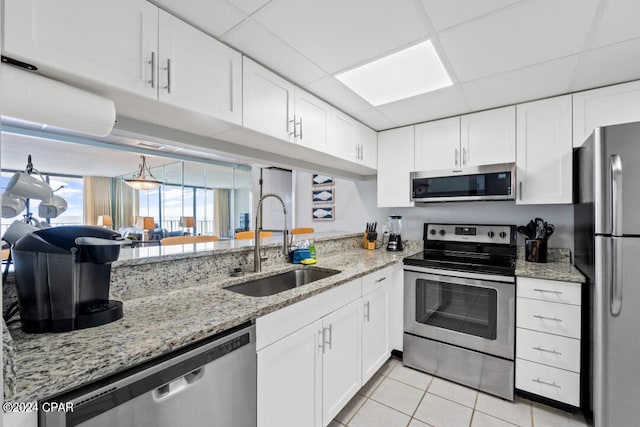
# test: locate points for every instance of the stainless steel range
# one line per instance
(459, 313)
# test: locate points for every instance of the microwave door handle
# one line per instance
(616, 240)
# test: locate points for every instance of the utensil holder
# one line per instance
(535, 250)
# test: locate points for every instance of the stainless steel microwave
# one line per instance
(490, 182)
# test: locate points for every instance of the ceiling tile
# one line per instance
(608, 65)
(433, 105)
(255, 41)
(374, 119)
(538, 81)
(525, 34)
(445, 14)
(213, 17)
(619, 23)
(333, 91)
(249, 6)
(338, 34)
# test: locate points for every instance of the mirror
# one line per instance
(197, 196)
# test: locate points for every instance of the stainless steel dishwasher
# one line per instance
(210, 383)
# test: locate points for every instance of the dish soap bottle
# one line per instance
(312, 250)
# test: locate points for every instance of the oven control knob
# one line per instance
(432, 231)
(503, 234)
(491, 234)
(442, 232)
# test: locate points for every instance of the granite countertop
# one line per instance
(558, 267)
(47, 364)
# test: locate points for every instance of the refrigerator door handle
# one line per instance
(616, 277)
(616, 194)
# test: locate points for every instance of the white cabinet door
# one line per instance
(107, 42)
(488, 137)
(395, 162)
(368, 140)
(605, 106)
(290, 380)
(198, 73)
(342, 136)
(267, 101)
(311, 120)
(375, 331)
(437, 145)
(544, 152)
(396, 311)
(342, 359)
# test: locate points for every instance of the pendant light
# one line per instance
(144, 179)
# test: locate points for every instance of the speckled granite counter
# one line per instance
(154, 324)
(558, 267)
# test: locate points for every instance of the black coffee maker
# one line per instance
(395, 239)
(63, 276)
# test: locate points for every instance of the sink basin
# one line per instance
(281, 282)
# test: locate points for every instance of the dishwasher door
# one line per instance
(211, 385)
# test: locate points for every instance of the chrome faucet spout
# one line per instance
(257, 260)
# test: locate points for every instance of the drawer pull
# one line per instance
(539, 381)
(547, 351)
(381, 279)
(555, 319)
(548, 291)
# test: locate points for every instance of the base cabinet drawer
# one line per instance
(547, 349)
(556, 384)
(550, 290)
(549, 317)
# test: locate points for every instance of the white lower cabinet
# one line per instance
(548, 339)
(375, 331)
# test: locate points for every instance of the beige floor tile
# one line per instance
(452, 391)
(350, 409)
(518, 412)
(417, 423)
(388, 366)
(411, 376)
(548, 417)
(374, 414)
(371, 385)
(483, 420)
(441, 412)
(398, 396)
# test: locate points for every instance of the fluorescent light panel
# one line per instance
(401, 75)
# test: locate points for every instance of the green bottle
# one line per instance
(312, 250)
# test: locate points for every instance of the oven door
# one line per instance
(468, 310)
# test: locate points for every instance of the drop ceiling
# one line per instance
(497, 52)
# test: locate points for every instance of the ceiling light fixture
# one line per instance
(144, 179)
(409, 72)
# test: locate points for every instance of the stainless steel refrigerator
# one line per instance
(607, 251)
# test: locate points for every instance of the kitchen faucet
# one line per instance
(257, 260)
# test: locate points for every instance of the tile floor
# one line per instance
(397, 396)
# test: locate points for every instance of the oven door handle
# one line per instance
(459, 277)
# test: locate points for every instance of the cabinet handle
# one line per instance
(367, 309)
(231, 90)
(293, 122)
(330, 329)
(357, 152)
(321, 336)
(153, 70)
(361, 152)
(455, 155)
(555, 319)
(548, 291)
(300, 123)
(520, 190)
(381, 279)
(168, 68)
(464, 156)
(547, 351)
(552, 384)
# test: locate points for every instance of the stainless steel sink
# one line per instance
(281, 282)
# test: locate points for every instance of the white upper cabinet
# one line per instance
(488, 137)
(197, 72)
(367, 139)
(129, 45)
(311, 120)
(342, 136)
(114, 42)
(544, 147)
(395, 162)
(437, 145)
(267, 101)
(609, 105)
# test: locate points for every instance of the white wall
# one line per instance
(356, 205)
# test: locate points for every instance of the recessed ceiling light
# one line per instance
(409, 72)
